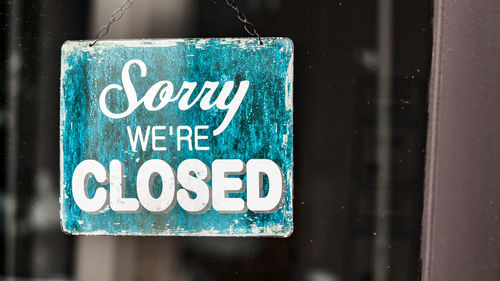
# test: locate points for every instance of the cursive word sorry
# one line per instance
(164, 90)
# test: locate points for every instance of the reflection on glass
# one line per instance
(359, 152)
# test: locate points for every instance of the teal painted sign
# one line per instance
(177, 137)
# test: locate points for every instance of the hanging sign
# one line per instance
(177, 137)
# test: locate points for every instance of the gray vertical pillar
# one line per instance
(33, 243)
(461, 235)
(14, 81)
(381, 251)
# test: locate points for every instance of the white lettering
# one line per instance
(193, 175)
(187, 137)
(145, 177)
(165, 89)
(80, 184)
(157, 137)
(138, 136)
(222, 185)
(195, 195)
(256, 168)
(118, 202)
(198, 137)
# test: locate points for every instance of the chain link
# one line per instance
(115, 16)
(118, 13)
(249, 27)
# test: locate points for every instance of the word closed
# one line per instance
(192, 176)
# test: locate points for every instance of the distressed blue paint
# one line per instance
(262, 127)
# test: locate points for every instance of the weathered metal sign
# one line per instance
(177, 137)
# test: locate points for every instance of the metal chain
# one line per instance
(118, 13)
(249, 27)
(115, 16)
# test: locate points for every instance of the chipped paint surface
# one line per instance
(262, 128)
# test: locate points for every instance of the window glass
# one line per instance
(360, 121)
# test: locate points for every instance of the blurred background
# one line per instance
(361, 88)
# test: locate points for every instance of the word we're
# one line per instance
(164, 90)
(158, 135)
